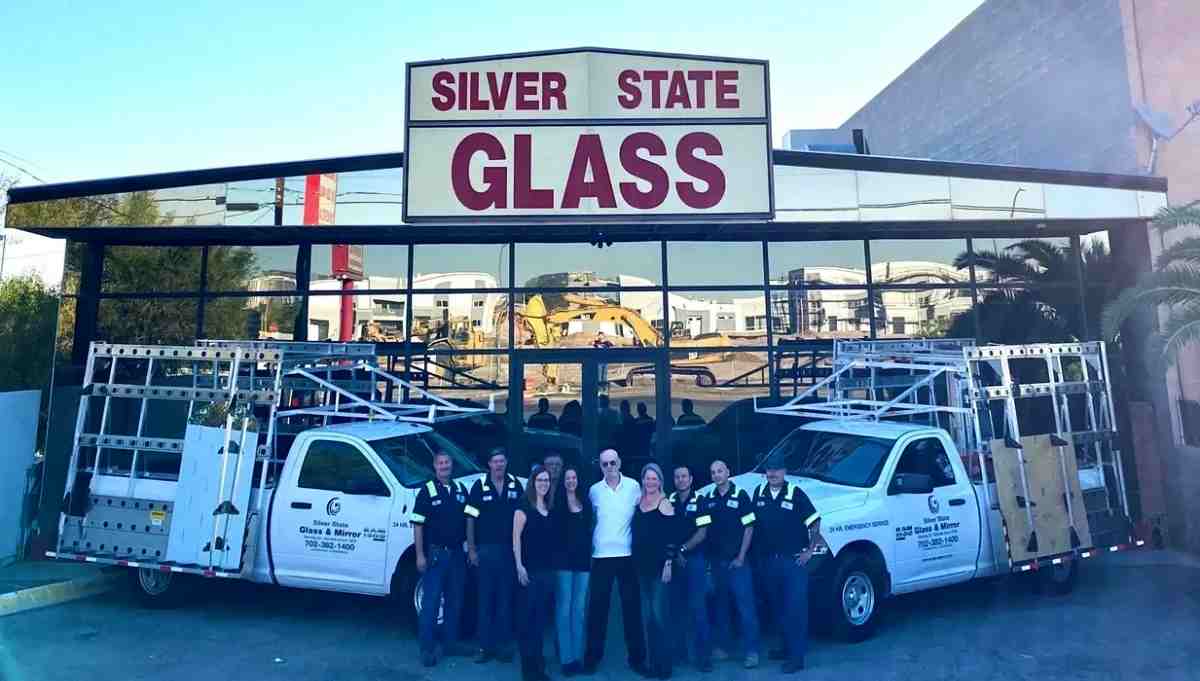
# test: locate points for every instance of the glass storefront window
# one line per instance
(919, 261)
(713, 318)
(253, 269)
(1028, 315)
(923, 313)
(384, 267)
(475, 265)
(714, 263)
(250, 318)
(166, 321)
(589, 319)
(585, 266)
(135, 269)
(1029, 262)
(803, 313)
(818, 262)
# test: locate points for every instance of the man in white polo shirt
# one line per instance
(614, 499)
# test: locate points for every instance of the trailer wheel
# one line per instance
(156, 588)
(854, 597)
(1059, 580)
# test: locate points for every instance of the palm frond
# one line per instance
(1048, 256)
(1173, 286)
(1182, 330)
(1170, 217)
(1184, 252)
(1005, 266)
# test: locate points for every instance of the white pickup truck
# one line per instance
(172, 491)
(915, 458)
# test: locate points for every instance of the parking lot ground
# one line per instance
(1132, 616)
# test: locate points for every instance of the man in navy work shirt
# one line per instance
(727, 544)
(788, 527)
(439, 530)
(689, 590)
(489, 510)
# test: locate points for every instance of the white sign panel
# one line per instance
(588, 134)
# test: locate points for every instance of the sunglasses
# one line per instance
(606, 464)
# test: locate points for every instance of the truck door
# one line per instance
(330, 519)
(937, 531)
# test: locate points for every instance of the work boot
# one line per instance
(428, 659)
(751, 661)
(484, 655)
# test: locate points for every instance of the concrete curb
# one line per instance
(59, 592)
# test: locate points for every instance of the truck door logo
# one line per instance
(333, 507)
(933, 504)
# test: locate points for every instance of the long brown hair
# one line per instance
(531, 488)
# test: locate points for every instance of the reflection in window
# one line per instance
(923, 313)
(1029, 262)
(251, 318)
(145, 321)
(825, 262)
(384, 267)
(486, 265)
(806, 313)
(131, 269)
(254, 269)
(589, 319)
(714, 263)
(723, 319)
(1021, 315)
(919, 261)
(585, 266)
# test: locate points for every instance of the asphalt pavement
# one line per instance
(1132, 616)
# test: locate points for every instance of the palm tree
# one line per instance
(1174, 284)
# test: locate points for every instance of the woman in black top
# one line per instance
(534, 538)
(654, 544)
(574, 515)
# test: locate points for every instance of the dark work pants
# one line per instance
(788, 586)
(604, 572)
(444, 578)
(657, 620)
(734, 588)
(536, 611)
(689, 605)
(497, 580)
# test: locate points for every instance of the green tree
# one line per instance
(1174, 284)
(28, 313)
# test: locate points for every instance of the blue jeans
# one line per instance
(444, 578)
(737, 585)
(689, 594)
(497, 580)
(570, 606)
(788, 584)
(656, 622)
(534, 618)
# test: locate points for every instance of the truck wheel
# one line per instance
(856, 591)
(155, 588)
(1059, 580)
(406, 585)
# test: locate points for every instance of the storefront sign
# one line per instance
(320, 208)
(588, 135)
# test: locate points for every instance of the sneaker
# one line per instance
(791, 667)
(751, 661)
(777, 654)
(719, 655)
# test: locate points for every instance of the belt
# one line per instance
(442, 547)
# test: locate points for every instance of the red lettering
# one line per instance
(443, 89)
(499, 91)
(644, 169)
(677, 91)
(699, 78)
(700, 169)
(554, 87)
(477, 104)
(655, 78)
(527, 90)
(627, 81)
(495, 178)
(462, 90)
(726, 86)
(589, 153)
(524, 195)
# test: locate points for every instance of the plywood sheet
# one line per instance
(1044, 474)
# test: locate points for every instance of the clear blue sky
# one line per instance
(100, 89)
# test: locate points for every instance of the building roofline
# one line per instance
(781, 157)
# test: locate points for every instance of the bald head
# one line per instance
(610, 464)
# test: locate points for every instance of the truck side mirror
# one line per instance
(911, 483)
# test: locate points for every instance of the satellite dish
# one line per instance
(1158, 122)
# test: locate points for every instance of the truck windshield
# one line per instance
(838, 458)
(410, 457)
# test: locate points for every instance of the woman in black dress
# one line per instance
(654, 544)
(534, 539)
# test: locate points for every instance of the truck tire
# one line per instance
(406, 592)
(1059, 580)
(155, 588)
(854, 597)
